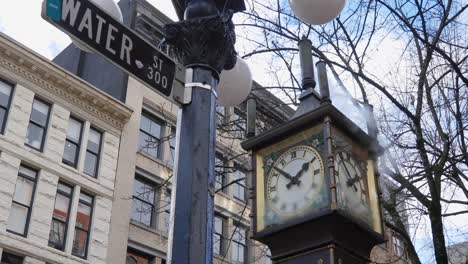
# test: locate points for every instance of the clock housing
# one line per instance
(355, 179)
(292, 183)
(343, 208)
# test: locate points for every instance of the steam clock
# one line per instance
(315, 192)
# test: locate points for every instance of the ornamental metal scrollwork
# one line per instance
(206, 41)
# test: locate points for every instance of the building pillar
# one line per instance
(72, 219)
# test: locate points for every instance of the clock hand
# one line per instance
(285, 174)
(305, 166)
(353, 180)
(347, 173)
(295, 179)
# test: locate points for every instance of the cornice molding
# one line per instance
(25, 63)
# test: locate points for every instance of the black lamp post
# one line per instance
(204, 43)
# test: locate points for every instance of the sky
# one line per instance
(21, 20)
(28, 28)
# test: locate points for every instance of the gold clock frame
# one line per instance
(260, 173)
(358, 152)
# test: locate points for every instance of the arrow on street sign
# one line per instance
(96, 29)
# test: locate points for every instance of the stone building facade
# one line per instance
(458, 253)
(59, 141)
(392, 251)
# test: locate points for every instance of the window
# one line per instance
(5, 101)
(238, 186)
(398, 247)
(38, 124)
(165, 210)
(220, 115)
(218, 237)
(136, 257)
(72, 142)
(59, 225)
(220, 173)
(93, 151)
(18, 220)
(148, 202)
(239, 125)
(83, 223)
(146, 28)
(8, 258)
(239, 248)
(143, 202)
(150, 135)
(172, 144)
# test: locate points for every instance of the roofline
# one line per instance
(54, 78)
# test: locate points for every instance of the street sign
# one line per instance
(91, 26)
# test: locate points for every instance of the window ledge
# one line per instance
(82, 174)
(149, 229)
(35, 150)
(221, 258)
(30, 245)
(157, 160)
(223, 194)
(239, 201)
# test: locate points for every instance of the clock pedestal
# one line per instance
(325, 255)
(328, 239)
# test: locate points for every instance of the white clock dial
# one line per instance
(351, 185)
(295, 180)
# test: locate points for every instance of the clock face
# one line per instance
(295, 180)
(351, 184)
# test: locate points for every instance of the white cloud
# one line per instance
(22, 21)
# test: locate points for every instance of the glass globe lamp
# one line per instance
(235, 84)
(317, 12)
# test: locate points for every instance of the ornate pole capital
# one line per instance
(204, 41)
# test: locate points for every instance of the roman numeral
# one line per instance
(313, 159)
(317, 171)
(283, 162)
(272, 188)
(293, 155)
(274, 199)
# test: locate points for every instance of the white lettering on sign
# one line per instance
(70, 11)
(99, 28)
(70, 8)
(110, 38)
(86, 23)
(127, 46)
(155, 72)
(93, 27)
